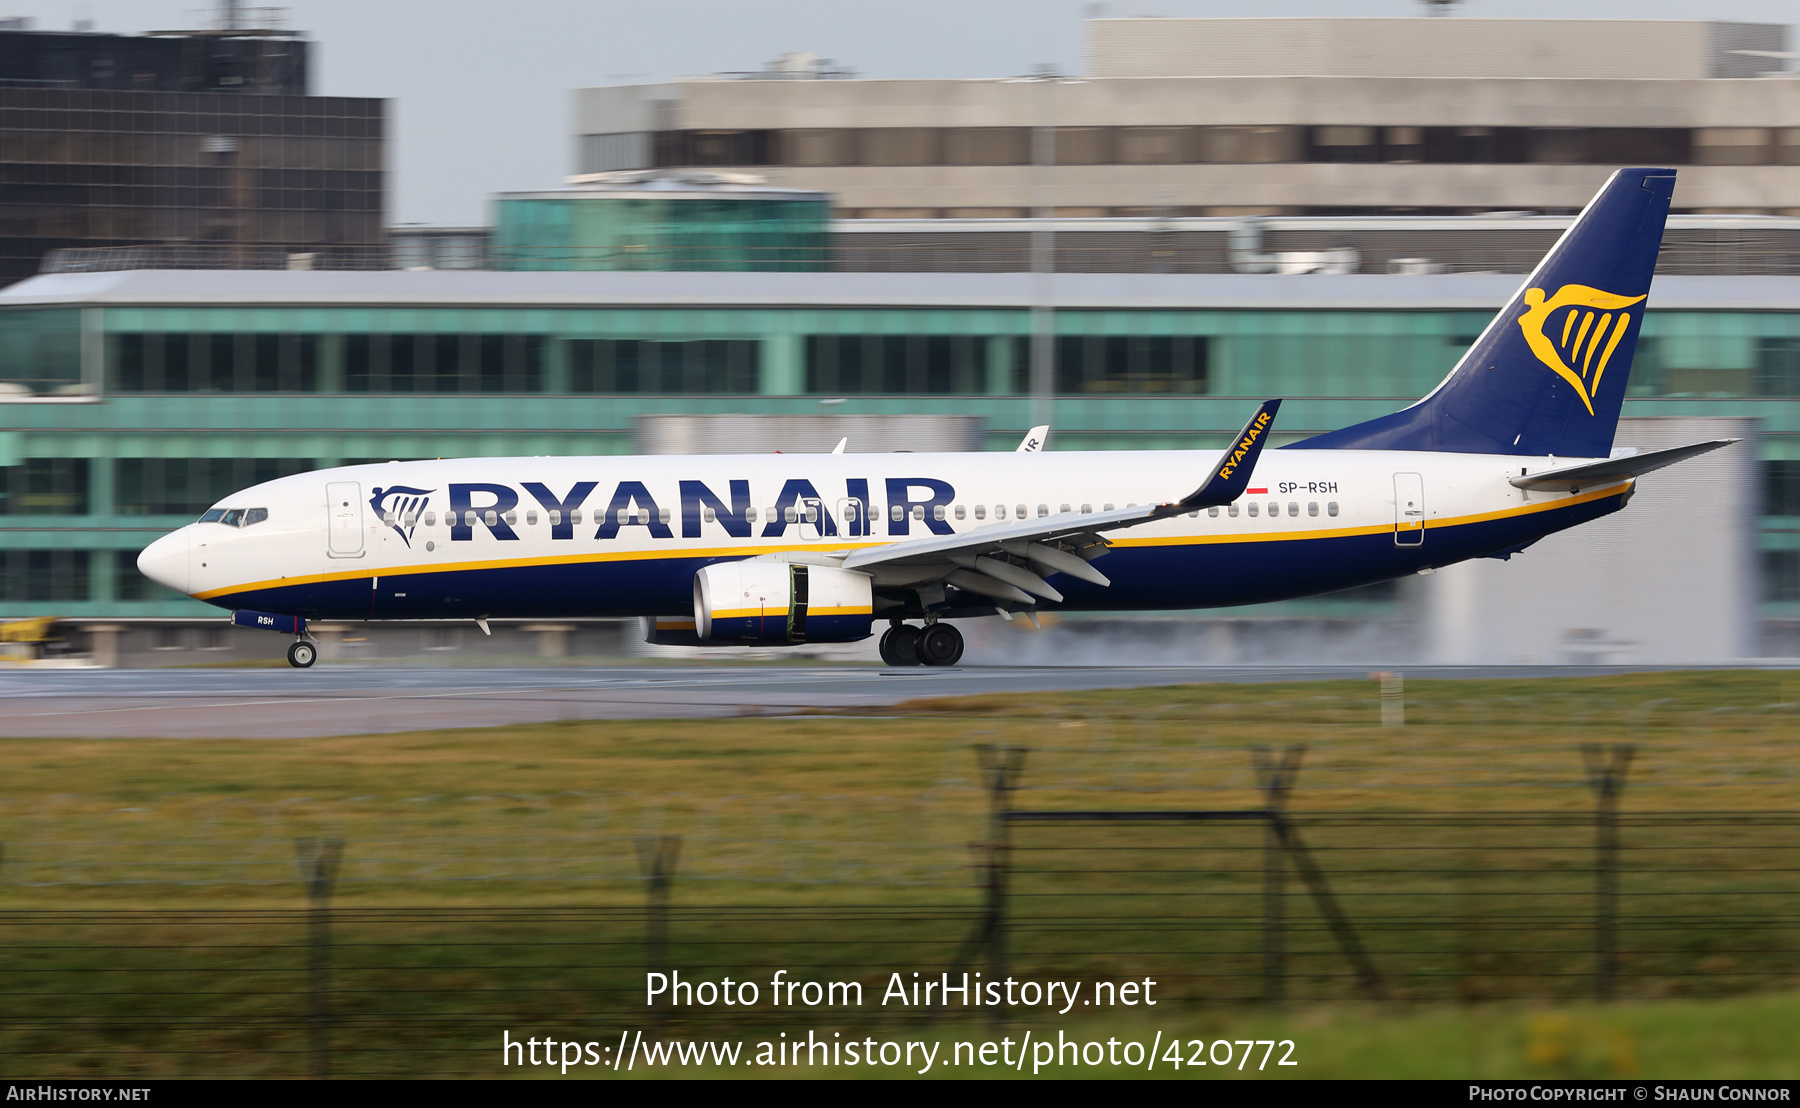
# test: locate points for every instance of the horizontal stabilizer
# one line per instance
(1588, 474)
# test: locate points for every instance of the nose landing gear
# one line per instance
(302, 654)
(939, 644)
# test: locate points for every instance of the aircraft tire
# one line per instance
(900, 646)
(940, 645)
(302, 654)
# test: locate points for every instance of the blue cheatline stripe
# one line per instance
(1144, 577)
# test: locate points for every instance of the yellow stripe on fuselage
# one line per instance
(751, 552)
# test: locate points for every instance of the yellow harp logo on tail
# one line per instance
(1590, 326)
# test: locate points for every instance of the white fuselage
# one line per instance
(623, 536)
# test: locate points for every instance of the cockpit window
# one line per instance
(235, 517)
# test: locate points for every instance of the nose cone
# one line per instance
(165, 561)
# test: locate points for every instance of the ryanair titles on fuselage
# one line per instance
(469, 504)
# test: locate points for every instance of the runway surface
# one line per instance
(279, 704)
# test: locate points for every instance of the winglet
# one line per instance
(1034, 439)
(843, 442)
(1229, 481)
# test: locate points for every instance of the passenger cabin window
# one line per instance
(918, 511)
(961, 513)
(1293, 508)
(999, 511)
(791, 515)
(937, 512)
(749, 515)
(1232, 511)
(555, 517)
(531, 518)
(1253, 509)
(709, 515)
(1331, 508)
(1213, 512)
(431, 519)
(1312, 509)
(1043, 511)
(1023, 513)
(981, 511)
(896, 513)
(1063, 509)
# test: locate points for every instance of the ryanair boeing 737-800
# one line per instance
(1515, 444)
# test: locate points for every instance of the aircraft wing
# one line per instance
(1008, 561)
(1588, 474)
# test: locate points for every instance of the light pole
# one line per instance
(1043, 243)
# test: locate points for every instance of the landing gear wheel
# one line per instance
(900, 646)
(302, 654)
(940, 645)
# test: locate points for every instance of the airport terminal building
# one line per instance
(135, 399)
(1199, 117)
(777, 261)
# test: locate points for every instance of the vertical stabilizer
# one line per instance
(1548, 374)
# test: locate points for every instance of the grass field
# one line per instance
(149, 886)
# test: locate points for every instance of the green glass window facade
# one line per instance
(651, 232)
(188, 486)
(45, 576)
(40, 351)
(45, 487)
(201, 399)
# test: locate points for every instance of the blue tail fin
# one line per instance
(1548, 374)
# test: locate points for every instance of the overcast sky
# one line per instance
(480, 89)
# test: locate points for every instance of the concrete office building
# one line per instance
(1254, 116)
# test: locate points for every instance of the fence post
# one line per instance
(318, 860)
(1275, 778)
(1393, 698)
(1606, 768)
(1000, 771)
(657, 855)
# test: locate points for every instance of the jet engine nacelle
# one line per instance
(772, 603)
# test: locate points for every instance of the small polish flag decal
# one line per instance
(1257, 492)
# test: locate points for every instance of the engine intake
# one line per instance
(772, 603)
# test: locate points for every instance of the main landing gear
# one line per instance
(303, 653)
(936, 644)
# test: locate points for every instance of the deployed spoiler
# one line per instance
(1588, 474)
